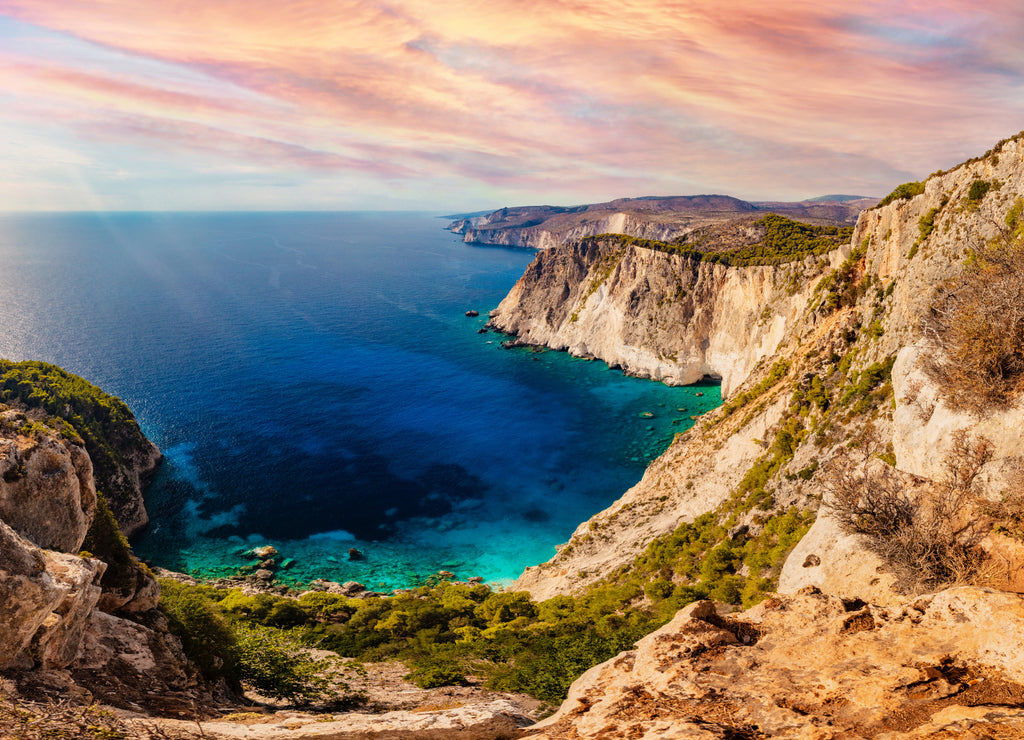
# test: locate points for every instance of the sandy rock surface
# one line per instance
(813, 666)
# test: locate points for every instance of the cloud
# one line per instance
(764, 99)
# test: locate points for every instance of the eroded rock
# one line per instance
(810, 666)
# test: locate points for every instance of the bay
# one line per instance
(315, 384)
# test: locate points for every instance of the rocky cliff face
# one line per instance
(658, 315)
(818, 372)
(61, 627)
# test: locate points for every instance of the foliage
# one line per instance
(927, 539)
(276, 665)
(106, 542)
(977, 320)
(784, 241)
(902, 192)
(844, 285)
(978, 190)
(208, 639)
(103, 422)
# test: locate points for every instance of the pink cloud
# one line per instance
(520, 92)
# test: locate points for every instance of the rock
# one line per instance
(475, 579)
(46, 598)
(60, 517)
(446, 575)
(350, 588)
(472, 313)
(263, 553)
(263, 574)
(355, 554)
(482, 330)
(498, 719)
(837, 564)
(809, 666)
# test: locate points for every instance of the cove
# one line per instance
(315, 384)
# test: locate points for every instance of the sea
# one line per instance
(315, 385)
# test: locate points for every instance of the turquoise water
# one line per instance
(315, 385)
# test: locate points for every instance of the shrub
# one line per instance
(437, 672)
(902, 192)
(277, 666)
(977, 323)
(927, 538)
(206, 636)
(978, 190)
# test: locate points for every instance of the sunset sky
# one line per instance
(417, 104)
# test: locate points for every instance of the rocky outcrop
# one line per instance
(813, 666)
(658, 315)
(45, 461)
(46, 601)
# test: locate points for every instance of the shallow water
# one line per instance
(314, 384)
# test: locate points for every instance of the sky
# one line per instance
(458, 106)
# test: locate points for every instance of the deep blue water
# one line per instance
(314, 384)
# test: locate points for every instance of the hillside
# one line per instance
(665, 219)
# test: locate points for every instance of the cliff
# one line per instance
(657, 314)
(807, 375)
(853, 440)
(122, 458)
(664, 219)
(75, 622)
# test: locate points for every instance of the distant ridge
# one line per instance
(662, 218)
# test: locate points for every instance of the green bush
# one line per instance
(208, 639)
(275, 665)
(978, 190)
(902, 192)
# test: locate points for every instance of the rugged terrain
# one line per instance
(663, 218)
(843, 400)
(841, 539)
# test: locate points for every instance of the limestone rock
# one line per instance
(46, 599)
(925, 426)
(654, 314)
(810, 666)
(495, 720)
(59, 518)
(838, 564)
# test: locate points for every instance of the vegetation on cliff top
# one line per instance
(783, 241)
(104, 423)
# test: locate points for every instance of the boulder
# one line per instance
(46, 599)
(59, 519)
